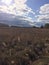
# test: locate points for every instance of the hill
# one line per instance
(3, 25)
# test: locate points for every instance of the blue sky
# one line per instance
(36, 4)
(28, 11)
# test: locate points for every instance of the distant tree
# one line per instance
(42, 26)
(46, 25)
(34, 26)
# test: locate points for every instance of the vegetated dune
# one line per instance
(24, 46)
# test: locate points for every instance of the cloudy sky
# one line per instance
(28, 12)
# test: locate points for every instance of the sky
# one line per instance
(27, 12)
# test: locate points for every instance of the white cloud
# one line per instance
(16, 7)
(44, 9)
(6, 2)
(16, 20)
(43, 14)
(43, 18)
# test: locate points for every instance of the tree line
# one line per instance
(43, 26)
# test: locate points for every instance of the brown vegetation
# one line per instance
(24, 46)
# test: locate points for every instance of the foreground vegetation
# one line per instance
(24, 46)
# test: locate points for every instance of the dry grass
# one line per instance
(24, 46)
